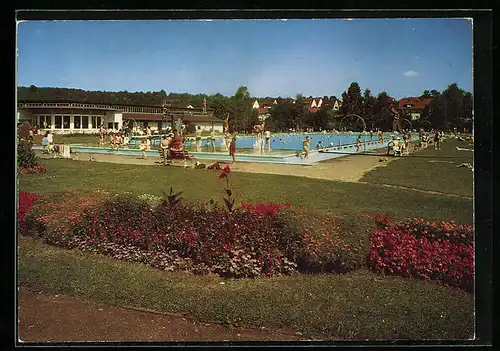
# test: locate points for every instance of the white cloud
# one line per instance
(411, 73)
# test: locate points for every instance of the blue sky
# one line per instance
(271, 57)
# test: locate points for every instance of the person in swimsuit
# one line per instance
(232, 148)
(437, 145)
(306, 147)
(358, 143)
(268, 140)
(212, 140)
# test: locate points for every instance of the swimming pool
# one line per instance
(287, 149)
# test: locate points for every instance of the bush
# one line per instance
(442, 252)
(25, 202)
(26, 157)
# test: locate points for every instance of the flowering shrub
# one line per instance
(414, 247)
(37, 168)
(25, 202)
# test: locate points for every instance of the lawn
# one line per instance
(202, 185)
(357, 305)
(430, 169)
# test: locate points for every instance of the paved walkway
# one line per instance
(48, 317)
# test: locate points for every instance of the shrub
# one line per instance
(414, 247)
(25, 202)
(26, 157)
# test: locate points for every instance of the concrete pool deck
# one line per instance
(348, 168)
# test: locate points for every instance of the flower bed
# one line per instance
(439, 251)
(37, 168)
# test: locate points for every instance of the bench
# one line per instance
(176, 154)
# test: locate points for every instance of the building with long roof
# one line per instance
(66, 117)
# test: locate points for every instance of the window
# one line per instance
(110, 125)
(66, 122)
(96, 121)
(85, 122)
(58, 122)
(77, 120)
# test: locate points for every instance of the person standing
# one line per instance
(232, 148)
(51, 141)
(267, 135)
(358, 143)
(212, 140)
(371, 135)
(165, 146)
(306, 147)
(437, 144)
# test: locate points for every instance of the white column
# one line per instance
(52, 121)
(71, 122)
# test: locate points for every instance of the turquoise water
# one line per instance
(292, 142)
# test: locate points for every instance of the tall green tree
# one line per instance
(369, 103)
(243, 117)
(426, 94)
(383, 117)
(352, 101)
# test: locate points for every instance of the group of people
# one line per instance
(171, 144)
(425, 139)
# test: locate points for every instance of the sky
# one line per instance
(274, 58)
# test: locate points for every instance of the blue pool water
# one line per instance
(278, 141)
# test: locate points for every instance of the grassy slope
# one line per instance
(358, 305)
(416, 171)
(201, 185)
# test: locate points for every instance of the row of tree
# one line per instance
(450, 108)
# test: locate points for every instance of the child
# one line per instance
(45, 143)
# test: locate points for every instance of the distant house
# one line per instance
(334, 105)
(413, 106)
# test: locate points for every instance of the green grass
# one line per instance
(202, 185)
(420, 170)
(358, 305)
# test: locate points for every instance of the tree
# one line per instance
(299, 112)
(426, 94)
(221, 106)
(352, 101)
(453, 97)
(243, 117)
(281, 117)
(383, 117)
(369, 103)
(435, 93)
